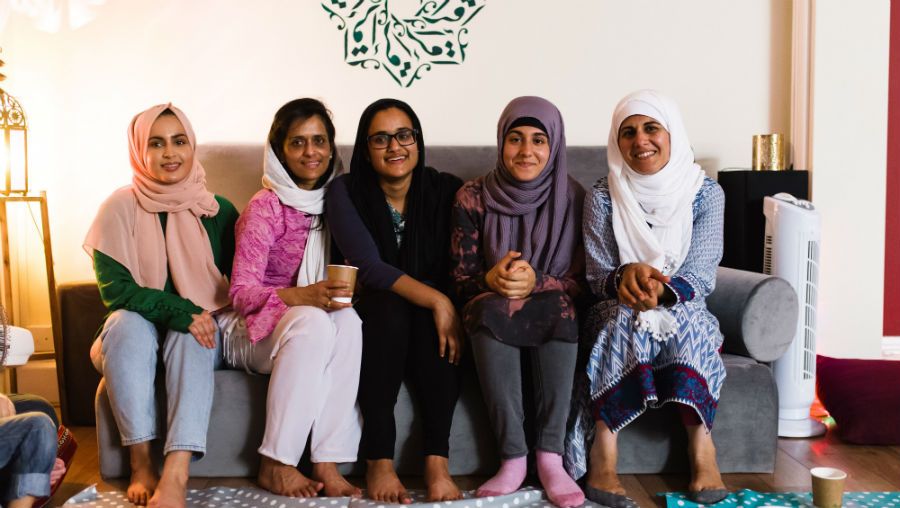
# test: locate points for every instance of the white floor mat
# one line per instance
(249, 497)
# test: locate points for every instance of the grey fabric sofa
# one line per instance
(757, 314)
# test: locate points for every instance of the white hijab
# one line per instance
(312, 202)
(663, 200)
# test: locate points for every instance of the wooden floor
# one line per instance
(869, 468)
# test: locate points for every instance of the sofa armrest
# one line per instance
(757, 313)
(81, 314)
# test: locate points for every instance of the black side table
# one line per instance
(745, 224)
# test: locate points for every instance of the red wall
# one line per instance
(892, 227)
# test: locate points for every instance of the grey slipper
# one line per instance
(609, 499)
(711, 496)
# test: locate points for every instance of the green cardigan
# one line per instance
(165, 307)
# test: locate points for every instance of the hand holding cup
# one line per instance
(343, 273)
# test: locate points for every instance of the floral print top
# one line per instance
(548, 313)
(399, 222)
(269, 246)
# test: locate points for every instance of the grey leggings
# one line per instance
(499, 369)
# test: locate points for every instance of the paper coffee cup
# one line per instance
(827, 486)
(345, 273)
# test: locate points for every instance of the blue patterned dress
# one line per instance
(628, 371)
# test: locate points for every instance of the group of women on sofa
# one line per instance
(518, 261)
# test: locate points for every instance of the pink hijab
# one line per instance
(127, 226)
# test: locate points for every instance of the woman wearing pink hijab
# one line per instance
(162, 248)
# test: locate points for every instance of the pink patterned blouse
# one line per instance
(270, 239)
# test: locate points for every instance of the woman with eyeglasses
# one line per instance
(390, 217)
(518, 266)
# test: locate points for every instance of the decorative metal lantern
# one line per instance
(14, 147)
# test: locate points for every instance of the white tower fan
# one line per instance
(791, 252)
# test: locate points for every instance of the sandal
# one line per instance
(710, 496)
(609, 499)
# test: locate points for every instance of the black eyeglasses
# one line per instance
(404, 137)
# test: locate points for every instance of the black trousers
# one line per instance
(400, 340)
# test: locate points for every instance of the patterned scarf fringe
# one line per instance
(236, 342)
(659, 323)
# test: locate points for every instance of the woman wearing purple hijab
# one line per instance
(518, 262)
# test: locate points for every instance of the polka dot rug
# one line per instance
(222, 497)
(750, 499)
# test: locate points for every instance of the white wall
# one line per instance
(848, 185)
(229, 66)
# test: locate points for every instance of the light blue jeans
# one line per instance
(27, 454)
(130, 349)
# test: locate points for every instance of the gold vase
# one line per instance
(768, 152)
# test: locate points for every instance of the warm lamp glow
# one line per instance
(14, 145)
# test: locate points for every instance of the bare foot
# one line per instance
(605, 480)
(604, 455)
(382, 483)
(285, 480)
(143, 474)
(172, 487)
(335, 483)
(170, 492)
(704, 468)
(441, 486)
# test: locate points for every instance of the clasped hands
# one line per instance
(641, 286)
(511, 277)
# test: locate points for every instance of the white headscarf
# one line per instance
(312, 202)
(663, 199)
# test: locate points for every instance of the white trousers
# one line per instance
(313, 357)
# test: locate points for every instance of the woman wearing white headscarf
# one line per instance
(653, 239)
(310, 343)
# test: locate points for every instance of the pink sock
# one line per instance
(560, 488)
(507, 480)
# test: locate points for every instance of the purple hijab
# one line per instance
(537, 218)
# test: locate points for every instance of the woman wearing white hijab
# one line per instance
(310, 343)
(653, 239)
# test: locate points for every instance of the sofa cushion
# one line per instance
(862, 397)
(237, 423)
(745, 430)
(757, 313)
